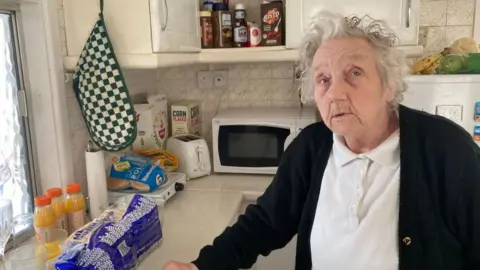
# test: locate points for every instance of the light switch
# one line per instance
(452, 112)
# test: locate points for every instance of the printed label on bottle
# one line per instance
(226, 19)
(43, 233)
(239, 15)
(62, 222)
(76, 220)
(207, 33)
(240, 34)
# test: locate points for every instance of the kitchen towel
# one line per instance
(96, 182)
(102, 93)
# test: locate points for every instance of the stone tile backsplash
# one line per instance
(433, 13)
(255, 85)
(443, 21)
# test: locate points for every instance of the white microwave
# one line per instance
(253, 140)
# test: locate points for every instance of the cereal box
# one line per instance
(186, 118)
(152, 123)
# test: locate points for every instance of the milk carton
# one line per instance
(152, 123)
(186, 118)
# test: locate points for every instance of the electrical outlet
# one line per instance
(204, 80)
(212, 79)
(452, 112)
(219, 80)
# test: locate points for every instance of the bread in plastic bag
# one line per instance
(119, 239)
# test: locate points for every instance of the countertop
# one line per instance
(194, 217)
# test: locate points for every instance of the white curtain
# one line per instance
(13, 158)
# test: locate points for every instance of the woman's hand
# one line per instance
(179, 266)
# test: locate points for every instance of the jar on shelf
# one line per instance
(206, 26)
(222, 26)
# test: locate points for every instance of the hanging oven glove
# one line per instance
(102, 93)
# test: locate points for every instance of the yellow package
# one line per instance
(161, 157)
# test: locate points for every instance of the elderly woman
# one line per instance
(376, 185)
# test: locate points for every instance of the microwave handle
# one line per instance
(288, 141)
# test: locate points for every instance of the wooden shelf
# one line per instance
(215, 56)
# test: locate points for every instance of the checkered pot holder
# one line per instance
(102, 93)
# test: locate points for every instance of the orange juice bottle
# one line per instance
(58, 205)
(44, 218)
(75, 207)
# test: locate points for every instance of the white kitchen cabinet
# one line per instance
(137, 27)
(162, 33)
(175, 25)
(401, 15)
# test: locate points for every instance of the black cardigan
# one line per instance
(439, 216)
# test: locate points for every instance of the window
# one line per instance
(30, 28)
(16, 175)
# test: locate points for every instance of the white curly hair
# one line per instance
(326, 26)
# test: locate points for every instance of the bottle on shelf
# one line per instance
(75, 207)
(222, 26)
(240, 30)
(208, 6)
(206, 29)
(58, 205)
(44, 219)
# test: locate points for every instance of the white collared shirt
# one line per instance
(356, 220)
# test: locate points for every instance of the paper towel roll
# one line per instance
(96, 182)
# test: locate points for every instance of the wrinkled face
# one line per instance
(348, 89)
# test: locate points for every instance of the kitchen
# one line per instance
(263, 78)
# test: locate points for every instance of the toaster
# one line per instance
(192, 153)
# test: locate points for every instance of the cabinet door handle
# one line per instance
(165, 17)
(408, 13)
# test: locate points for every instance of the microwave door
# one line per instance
(250, 146)
(288, 141)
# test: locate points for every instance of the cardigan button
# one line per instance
(407, 241)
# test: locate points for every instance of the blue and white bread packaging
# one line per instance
(130, 172)
(119, 239)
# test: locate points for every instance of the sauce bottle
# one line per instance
(207, 29)
(58, 205)
(75, 207)
(44, 219)
(240, 30)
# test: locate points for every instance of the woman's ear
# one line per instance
(389, 95)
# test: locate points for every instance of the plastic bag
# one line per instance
(113, 243)
(130, 171)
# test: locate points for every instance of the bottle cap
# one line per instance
(54, 192)
(205, 14)
(42, 201)
(220, 6)
(73, 188)
(240, 6)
